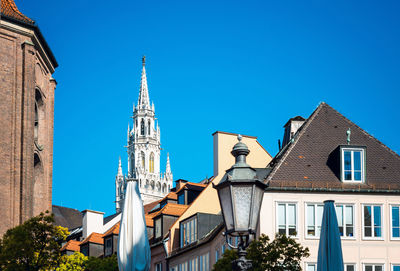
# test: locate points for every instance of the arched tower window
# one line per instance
(39, 117)
(152, 163)
(148, 128)
(36, 127)
(142, 127)
(143, 160)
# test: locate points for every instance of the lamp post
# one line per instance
(240, 196)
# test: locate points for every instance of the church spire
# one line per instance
(119, 168)
(144, 101)
(168, 167)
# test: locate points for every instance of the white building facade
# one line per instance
(327, 157)
(144, 147)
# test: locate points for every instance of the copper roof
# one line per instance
(71, 245)
(94, 237)
(172, 209)
(312, 160)
(9, 9)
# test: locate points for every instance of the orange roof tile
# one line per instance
(149, 220)
(94, 237)
(171, 195)
(148, 207)
(113, 230)
(71, 245)
(9, 9)
(188, 184)
(172, 209)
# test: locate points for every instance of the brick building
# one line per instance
(26, 118)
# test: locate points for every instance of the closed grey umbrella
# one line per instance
(133, 244)
(330, 256)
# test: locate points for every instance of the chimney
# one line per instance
(291, 127)
(92, 222)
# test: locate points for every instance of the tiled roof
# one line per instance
(149, 220)
(171, 195)
(147, 208)
(9, 9)
(71, 245)
(67, 217)
(113, 230)
(312, 160)
(172, 209)
(194, 186)
(94, 237)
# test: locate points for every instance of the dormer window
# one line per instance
(352, 164)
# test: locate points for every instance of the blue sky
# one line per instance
(236, 66)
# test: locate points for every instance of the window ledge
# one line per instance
(372, 239)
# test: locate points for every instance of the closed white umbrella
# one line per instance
(133, 244)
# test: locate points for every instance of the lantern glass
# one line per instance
(257, 201)
(242, 195)
(226, 206)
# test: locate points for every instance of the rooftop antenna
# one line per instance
(348, 136)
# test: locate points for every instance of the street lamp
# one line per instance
(240, 196)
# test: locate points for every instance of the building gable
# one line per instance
(312, 158)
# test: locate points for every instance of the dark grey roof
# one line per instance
(109, 218)
(67, 217)
(311, 159)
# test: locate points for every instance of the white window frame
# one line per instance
(392, 265)
(315, 204)
(391, 224)
(193, 264)
(372, 222)
(373, 264)
(204, 259)
(363, 158)
(190, 226)
(286, 218)
(346, 264)
(310, 263)
(354, 220)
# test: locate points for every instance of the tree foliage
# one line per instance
(102, 264)
(32, 246)
(282, 254)
(74, 262)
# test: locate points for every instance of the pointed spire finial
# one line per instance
(144, 60)
(120, 167)
(144, 101)
(168, 167)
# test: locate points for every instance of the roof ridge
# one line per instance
(296, 139)
(364, 132)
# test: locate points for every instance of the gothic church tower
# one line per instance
(143, 149)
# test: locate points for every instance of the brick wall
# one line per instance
(25, 189)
